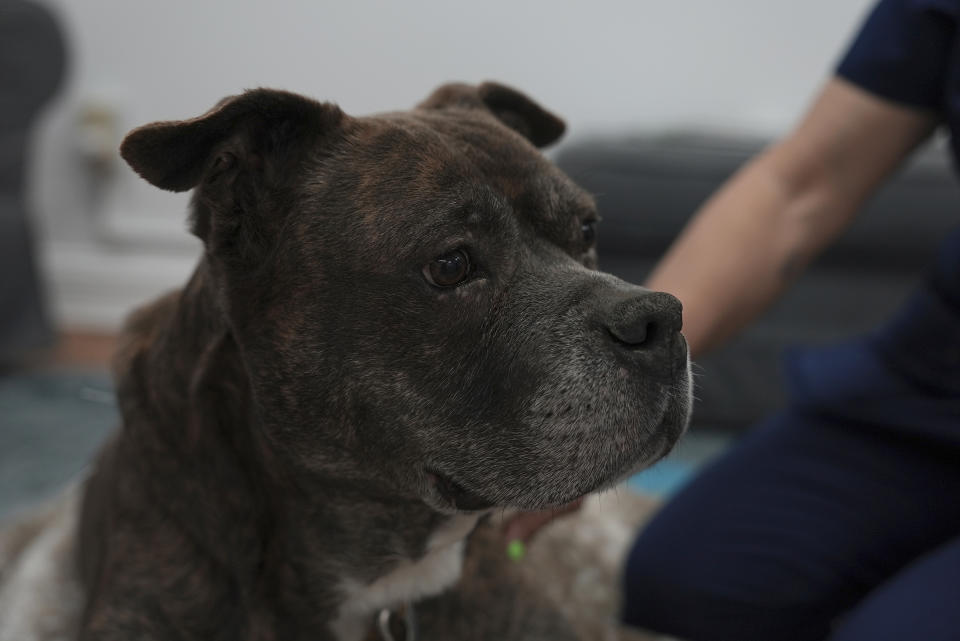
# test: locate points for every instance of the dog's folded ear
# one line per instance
(174, 155)
(510, 106)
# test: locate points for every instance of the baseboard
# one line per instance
(94, 285)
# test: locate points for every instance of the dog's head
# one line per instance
(415, 296)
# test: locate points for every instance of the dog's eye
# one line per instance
(589, 231)
(448, 270)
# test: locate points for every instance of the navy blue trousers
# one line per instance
(837, 519)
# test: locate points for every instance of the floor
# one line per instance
(55, 414)
(51, 424)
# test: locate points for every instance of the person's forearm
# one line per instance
(758, 232)
(742, 249)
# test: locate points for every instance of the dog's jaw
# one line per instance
(408, 581)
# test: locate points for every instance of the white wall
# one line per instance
(607, 66)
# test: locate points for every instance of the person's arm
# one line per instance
(749, 241)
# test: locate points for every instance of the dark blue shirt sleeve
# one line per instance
(903, 50)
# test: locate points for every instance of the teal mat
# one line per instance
(664, 478)
(51, 425)
(696, 448)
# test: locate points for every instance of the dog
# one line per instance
(397, 326)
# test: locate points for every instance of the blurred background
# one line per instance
(663, 102)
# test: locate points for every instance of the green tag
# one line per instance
(516, 550)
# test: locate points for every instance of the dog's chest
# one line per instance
(409, 581)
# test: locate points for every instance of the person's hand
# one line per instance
(524, 525)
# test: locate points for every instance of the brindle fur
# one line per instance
(284, 412)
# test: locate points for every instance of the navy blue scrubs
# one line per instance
(838, 518)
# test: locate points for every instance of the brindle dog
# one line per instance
(396, 326)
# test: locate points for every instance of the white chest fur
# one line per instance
(431, 574)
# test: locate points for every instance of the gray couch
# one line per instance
(648, 186)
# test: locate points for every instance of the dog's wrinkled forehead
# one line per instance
(264, 159)
(449, 168)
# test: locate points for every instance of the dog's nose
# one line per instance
(648, 323)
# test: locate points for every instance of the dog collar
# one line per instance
(398, 624)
